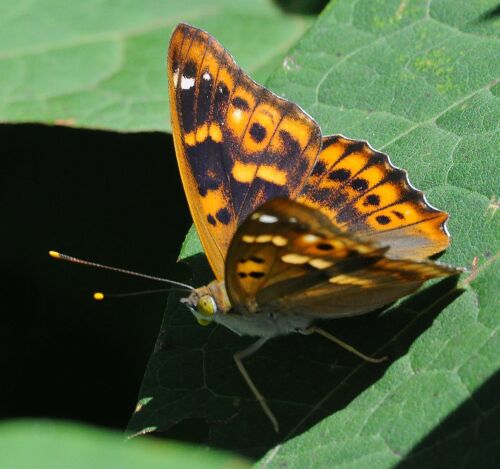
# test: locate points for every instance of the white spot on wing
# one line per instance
(310, 238)
(279, 241)
(319, 263)
(206, 76)
(296, 259)
(268, 218)
(237, 114)
(187, 83)
(175, 77)
(263, 238)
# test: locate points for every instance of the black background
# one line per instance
(109, 197)
(117, 199)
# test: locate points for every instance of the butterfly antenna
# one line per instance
(75, 260)
(99, 296)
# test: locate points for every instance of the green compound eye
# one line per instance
(207, 307)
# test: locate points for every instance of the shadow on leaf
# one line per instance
(302, 7)
(466, 438)
(491, 14)
(192, 377)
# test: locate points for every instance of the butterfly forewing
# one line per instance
(363, 193)
(288, 258)
(237, 144)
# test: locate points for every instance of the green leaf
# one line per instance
(101, 64)
(44, 444)
(419, 80)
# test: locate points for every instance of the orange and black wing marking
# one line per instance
(288, 258)
(362, 192)
(237, 144)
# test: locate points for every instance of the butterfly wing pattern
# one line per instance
(362, 192)
(295, 226)
(288, 258)
(237, 144)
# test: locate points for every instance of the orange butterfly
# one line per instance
(295, 226)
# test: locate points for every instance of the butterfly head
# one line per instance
(207, 302)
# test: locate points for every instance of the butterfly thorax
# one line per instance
(211, 303)
(209, 299)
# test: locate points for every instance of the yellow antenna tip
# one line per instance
(54, 254)
(98, 296)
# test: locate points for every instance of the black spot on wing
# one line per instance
(223, 215)
(256, 259)
(257, 132)
(187, 96)
(189, 70)
(211, 220)
(207, 183)
(204, 101)
(206, 162)
(372, 199)
(339, 175)
(395, 175)
(377, 159)
(398, 214)
(359, 184)
(256, 274)
(292, 146)
(240, 103)
(383, 219)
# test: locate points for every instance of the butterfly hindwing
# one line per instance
(288, 258)
(237, 144)
(360, 190)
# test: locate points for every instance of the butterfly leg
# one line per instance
(238, 358)
(341, 343)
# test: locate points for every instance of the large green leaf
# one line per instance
(419, 80)
(101, 64)
(48, 445)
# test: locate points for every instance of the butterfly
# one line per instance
(296, 226)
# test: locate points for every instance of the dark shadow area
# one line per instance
(491, 14)
(302, 7)
(117, 199)
(390, 333)
(113, 198)
(467, 438)
(295, 373)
